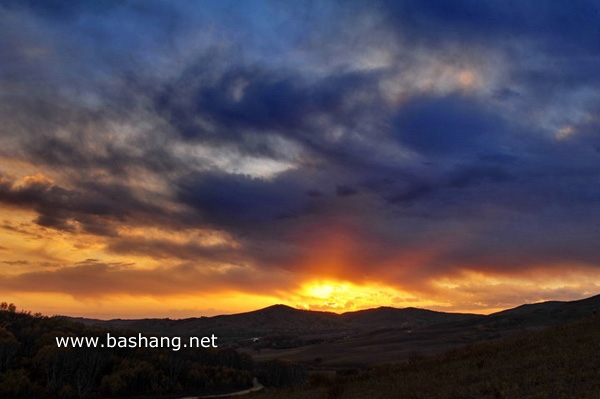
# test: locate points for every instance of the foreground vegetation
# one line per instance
(33, 366)
(560, 362)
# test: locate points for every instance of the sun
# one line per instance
(319, 290)
(343, 296)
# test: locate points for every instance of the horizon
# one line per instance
(494, 311)
(161, 158)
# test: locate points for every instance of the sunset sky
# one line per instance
(187, 158)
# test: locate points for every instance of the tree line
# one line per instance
(32, 365)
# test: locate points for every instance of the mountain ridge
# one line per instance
(364, 337)
(282, 319)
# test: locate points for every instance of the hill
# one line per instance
(362, 338)
(388, 344)
(560, 362)
(406, 318)
(281, 319)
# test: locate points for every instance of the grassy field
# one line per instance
(560, 362)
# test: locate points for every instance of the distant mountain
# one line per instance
(407, 318)
(384, 343)
(282, 319)
(378, 335)
(273, 320)
(544, 314)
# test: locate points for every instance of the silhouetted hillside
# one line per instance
(547, 313)
(388, 317)
(384, 343)
(276, 319)
(281, 319)
(558, 363)
(365, 337)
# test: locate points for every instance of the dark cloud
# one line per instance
(558, 28)
(61, 9)
(15, 262)
(479, 174)
(449, 125)
(343, 190)
(230, 200)
(314, 193)
(96, 207)
(245, 106)
(162, 249)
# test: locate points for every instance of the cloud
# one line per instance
(449, 125)
(94, 279)
(569, 28)
(95, 208)
(238, 199)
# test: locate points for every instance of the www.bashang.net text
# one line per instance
(139, 341)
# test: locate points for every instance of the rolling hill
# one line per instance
(282, 319)
(361, 338)
(560, 362)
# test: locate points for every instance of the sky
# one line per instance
(178, 159)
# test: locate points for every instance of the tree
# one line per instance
(279, 373)
(9, 346)
(15, 384)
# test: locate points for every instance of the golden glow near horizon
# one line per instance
(29, 249)
(344, 296)
(135, 307)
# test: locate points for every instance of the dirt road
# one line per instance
(256, 386)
